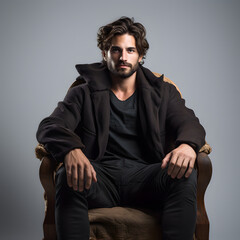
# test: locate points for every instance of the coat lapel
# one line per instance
(98, 79)
(101, 105)
(149, 103)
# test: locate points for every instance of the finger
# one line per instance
(75, 178)
(172, 163)
(80, 178)
(69, 176)
(88, 177)
(190, 168)
(166, 160)
(183, 169)
(94, 175)
(177, 166)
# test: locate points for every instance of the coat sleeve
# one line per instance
(183, 121)
(56, 132)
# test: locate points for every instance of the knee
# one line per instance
(65, 196)
(185, 187)
(62, 187)
(191, 181)
(190, 185)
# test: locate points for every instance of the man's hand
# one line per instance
(79, 170)
(180, 159)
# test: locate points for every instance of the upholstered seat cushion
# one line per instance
(120, 223)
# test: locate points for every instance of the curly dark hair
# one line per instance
(122, 26)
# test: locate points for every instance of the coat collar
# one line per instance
(98, 78)
(96, 75)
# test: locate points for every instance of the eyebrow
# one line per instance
(129, 48)
(116, 47)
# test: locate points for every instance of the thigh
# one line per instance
(141, 183)
(150, 185)
(103, 193)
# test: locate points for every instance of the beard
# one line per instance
(122, 72)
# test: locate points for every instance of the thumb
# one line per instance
(166, 160)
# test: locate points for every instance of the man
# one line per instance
(110, 132)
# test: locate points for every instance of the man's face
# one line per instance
(122, 58)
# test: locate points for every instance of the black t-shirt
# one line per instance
(124, 129)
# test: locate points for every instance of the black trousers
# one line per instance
(133, 184)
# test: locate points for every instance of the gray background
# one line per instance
(194, 43)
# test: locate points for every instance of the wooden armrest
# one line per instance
(204, 167)
(47, 175)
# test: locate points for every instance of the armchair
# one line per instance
(118, 222)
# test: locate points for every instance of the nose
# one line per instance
(123, 56)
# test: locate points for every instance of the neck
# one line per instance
(123, 88)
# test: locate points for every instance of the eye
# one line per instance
(115, 50)
(131, 50)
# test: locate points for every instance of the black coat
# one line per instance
(82, 119)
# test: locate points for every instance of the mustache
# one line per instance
(121, 63)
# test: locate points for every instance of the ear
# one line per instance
(104, 55)
(140, 59)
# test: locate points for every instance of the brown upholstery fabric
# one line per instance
(120, 223)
